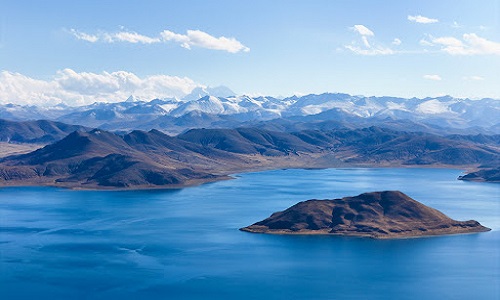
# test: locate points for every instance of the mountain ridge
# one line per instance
(232, 111)
(99, 158)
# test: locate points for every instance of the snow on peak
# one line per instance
(433, 107)
(200, 92)
(207, 104)
(132, 98)
(484, 111)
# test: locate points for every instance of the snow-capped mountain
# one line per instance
(211, 110)
(200, 92)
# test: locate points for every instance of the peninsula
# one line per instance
(483, 175)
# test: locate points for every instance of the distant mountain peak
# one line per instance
(200, 92)
(132, 98)
(218, 106)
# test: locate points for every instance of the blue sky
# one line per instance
(54, 51)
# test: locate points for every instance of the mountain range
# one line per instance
(212, 133)
(140, 159)
(201, 109)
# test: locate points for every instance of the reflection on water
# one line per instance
(184, 244)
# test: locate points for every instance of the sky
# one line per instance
(79, 52)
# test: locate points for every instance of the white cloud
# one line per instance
(473, 78)
(476, 78)
(448, 41)
(365, 42)
(133, 37)
(370, 51)
(366, 47)
(456, 25)
(168, 35)
(425, 42)
(84, 36)
(467, 44)
(74, 88)
(422, 19)
(202, 39)
(432, 77)
(471, 44)
(121, 36)
(193, 38)
(363, 30)
(19, 89)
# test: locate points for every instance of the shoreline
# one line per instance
(221, 176)
(191, 183)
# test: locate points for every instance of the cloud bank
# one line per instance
(192, 38)
(74, 88)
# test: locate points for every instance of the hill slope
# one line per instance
(143, 159)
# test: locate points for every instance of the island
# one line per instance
(380, 215)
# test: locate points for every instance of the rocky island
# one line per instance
(381, 215)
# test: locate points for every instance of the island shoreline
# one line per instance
(334, 235)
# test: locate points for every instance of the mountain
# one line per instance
(370, 146)
(40, 132)
(383, 146)
(382, 215)
(99, 158)
(103, 159)
(220, 108)
(200, 92)
(248, 141)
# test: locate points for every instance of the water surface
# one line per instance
(185, 244)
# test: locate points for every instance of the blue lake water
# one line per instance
(185, 244)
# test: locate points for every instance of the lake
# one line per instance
(185, 244)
